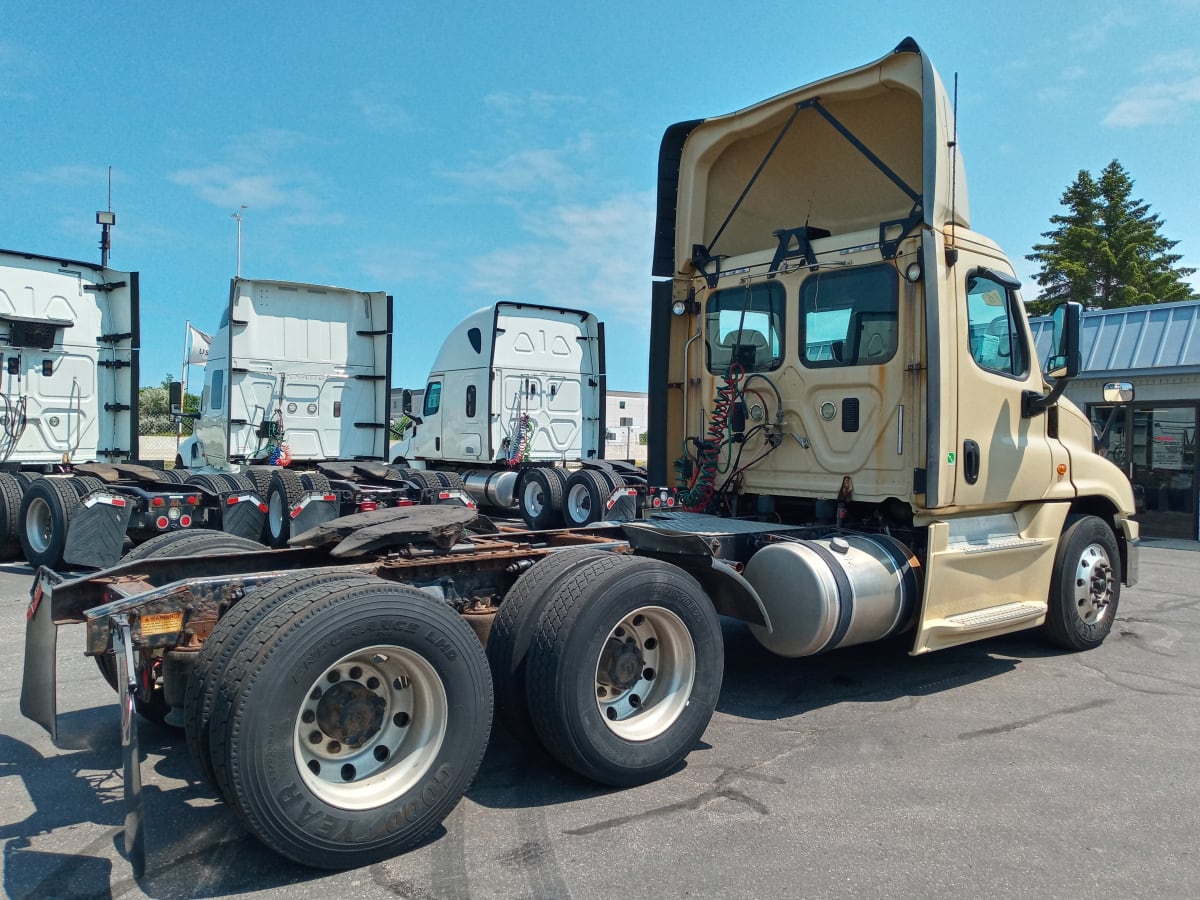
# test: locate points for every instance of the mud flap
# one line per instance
(97, 535)
(621, 506)
(38, 700)
(243, 518)
(314, 513)
(135, 836)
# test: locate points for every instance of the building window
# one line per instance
(621, 404)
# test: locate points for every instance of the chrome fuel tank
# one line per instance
(833, 592)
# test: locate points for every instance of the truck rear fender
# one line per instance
(731, 594)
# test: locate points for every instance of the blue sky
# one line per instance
(457, 154)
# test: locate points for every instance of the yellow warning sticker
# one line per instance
(162, 623)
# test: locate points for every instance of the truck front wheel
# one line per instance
(359, 718)
(625, 671)
(1086, 586)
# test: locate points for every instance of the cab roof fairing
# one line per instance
(897, 107)
(458, 350)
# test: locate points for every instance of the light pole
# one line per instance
(238, 216)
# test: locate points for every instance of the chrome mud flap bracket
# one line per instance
(135, 836)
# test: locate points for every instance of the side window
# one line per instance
(993, 337)
(848, 317)
(745, 326)
(217, 396)
(470, 401)
(433, 398)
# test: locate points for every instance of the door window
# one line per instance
(992, 333)
(433, 398)
(470, 401)
(217, 395)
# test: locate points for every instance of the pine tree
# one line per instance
(1107, 250)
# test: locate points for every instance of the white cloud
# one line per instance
(533, 104)
(254, 173)
(1186, 60)
(224, 185)
(76, 175)
(1096, 28)
(1155, 103)
(521, 172)
(595, 256)
(380, 111)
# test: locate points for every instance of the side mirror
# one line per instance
(1063, 363)
(1064, 358)
(1118, 392)
(406, 401)
(175, 397)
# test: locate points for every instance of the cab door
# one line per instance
(991, 550)
(1002, 457)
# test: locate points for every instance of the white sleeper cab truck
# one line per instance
(517, 392)
(295, 399)
(843, 381)
(71, 485)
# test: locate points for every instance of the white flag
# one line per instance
(199, 343)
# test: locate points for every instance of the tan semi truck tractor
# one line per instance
(844, 385)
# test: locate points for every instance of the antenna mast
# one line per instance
(106, 219)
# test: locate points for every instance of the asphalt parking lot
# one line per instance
(999, 769)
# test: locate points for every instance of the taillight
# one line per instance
(161, 522)
(368, 505)
(185, 521)
(156, 502)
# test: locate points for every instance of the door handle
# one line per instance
(971, 460)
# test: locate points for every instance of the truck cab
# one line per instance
(513, 381)
(840, 351)
(294, 370)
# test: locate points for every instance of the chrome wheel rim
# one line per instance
(275, 514)
(39, 524)
(579, 503)
(535, 500)
(371, 727)
(645, 673)
(1094, 579)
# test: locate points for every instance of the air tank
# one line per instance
(833, 592)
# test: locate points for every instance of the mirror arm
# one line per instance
(1034, 403)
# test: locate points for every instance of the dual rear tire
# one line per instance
(614, 664)
(343, 716)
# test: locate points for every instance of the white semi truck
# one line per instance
(874, 451)
(71, 483)
(516, 393)
(295, 398)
